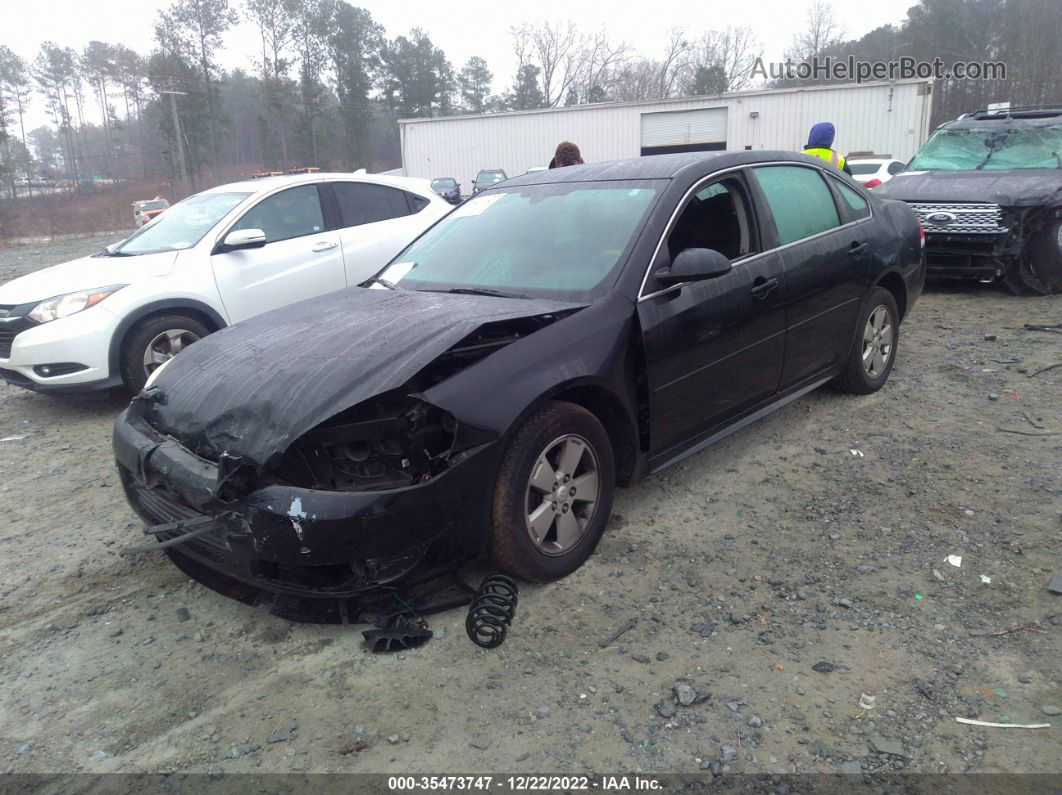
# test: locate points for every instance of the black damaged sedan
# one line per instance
(565, 333)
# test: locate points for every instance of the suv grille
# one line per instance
(6, 338)
(965, 219)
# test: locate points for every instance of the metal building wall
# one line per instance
(884, 118)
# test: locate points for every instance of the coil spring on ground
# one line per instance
(491, 613)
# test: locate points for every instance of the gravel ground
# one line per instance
(774, 579)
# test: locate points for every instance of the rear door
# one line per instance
(825, 251)
(301, 258)
(713, 348)
(377, 221)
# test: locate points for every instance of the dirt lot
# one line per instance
(817, 536)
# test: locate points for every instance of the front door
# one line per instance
(713, 348)
(301, 259)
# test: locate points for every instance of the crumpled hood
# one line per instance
(85, 273)
(1012, 188)
(252, 389)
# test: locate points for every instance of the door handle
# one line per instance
(324, 245)
(858, 249)
(762, 287)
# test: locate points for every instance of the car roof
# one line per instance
(656, 166)
(269, 184)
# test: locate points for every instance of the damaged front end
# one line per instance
(386, 494)
(355, 506)
(988, 241)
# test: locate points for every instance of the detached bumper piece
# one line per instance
(309, 555)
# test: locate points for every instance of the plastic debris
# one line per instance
(954, 560)
(856, 453)
(985, 580)
(1003, 725)
(13, 438)
(866, 701)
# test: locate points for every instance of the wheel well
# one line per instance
(205, 315)
(894, 283)
(610, 412)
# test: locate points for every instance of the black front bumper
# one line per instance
(303, 542)
(966, 256)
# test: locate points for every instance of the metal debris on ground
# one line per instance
(399, 633)
(1056, 328)
(990, 725)
(491, 613)
(1016, 628)
(13, 438)
(1044, 369)
(628, 625)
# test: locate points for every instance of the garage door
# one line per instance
(684, 131)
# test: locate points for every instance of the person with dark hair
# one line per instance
(820, 139)
(567, 154)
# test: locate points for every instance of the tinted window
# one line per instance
(864, 168)
(858, 205)
(896, 168)
(799, 200)
(363, 203)
(294, 212)
(443, 184)
(717, 218)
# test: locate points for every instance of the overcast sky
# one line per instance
(462, 28)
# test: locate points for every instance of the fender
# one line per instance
(127, 322)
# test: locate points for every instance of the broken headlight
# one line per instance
(385, 443)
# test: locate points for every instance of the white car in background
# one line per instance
(871, 172)
(209, 261)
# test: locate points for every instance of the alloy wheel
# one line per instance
(877, 342)
(562, 494)
(165, 346)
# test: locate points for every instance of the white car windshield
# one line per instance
(181, 226)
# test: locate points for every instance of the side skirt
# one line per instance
(737, 425)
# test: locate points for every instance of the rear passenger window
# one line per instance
(800, 201)
(363, 203)
(858, 205)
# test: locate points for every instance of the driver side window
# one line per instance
(294, 212)
(716, 217)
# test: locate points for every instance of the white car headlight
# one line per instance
(71, 303)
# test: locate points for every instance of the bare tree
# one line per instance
(731, 53)
(671, 66)
(820, 33)
(556, 50)
(637, 81)
(597, 68)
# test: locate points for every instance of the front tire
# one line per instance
(1045, 259)
(152, 342)
(553, 495)
(873, 351)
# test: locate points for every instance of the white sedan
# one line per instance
(871, 172)
(212, 260)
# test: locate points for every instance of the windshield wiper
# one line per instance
(484, 291)
(384, 282)
(106, 253)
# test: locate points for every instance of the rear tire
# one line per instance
(155, 339)
(553, 495)
(873, 350)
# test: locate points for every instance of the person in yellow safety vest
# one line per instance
(820, 139)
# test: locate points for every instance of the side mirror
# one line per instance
(692, 265)
(244, 238)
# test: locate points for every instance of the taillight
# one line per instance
(921, 234)
(873, 183)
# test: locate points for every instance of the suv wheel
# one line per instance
(1045, 259)
(554, 493)
(153, 342)
(873, 351)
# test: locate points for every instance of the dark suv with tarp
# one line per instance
(987, 188)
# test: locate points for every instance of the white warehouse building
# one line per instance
(885, 118)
